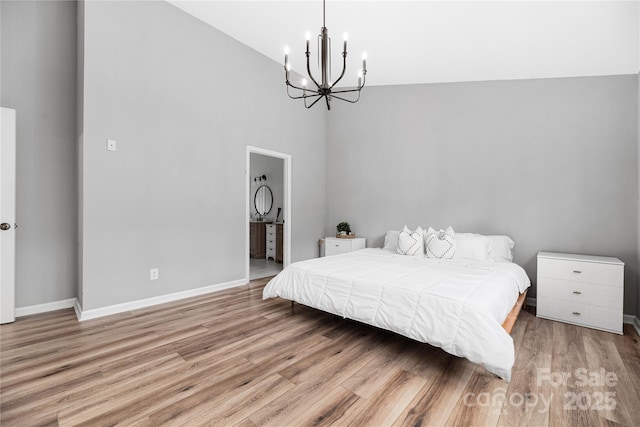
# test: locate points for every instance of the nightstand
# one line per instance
(583, 290)
(335, 245)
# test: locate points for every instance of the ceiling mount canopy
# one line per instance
(325, 88)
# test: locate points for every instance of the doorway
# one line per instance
(268, 210)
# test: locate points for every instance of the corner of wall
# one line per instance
(80, 142)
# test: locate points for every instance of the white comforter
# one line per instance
(458, 305)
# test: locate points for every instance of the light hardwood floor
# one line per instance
(229, 358)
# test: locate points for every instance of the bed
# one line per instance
(458, 305)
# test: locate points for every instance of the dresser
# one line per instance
(335, 245)
(279, 242)
(257, 239)
(274, 242)
(582, 290)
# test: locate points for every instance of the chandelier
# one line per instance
(324, 89)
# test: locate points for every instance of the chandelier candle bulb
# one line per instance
(364, 61)
(308, 37)
(346, 37)
(286, 54)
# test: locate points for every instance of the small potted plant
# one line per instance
(344, 229)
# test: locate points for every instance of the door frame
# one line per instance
(8, 215)
(286, 202)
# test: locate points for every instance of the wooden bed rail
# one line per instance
(513, 314)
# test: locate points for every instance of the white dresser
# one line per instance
(335, 245)
(270, 244)
(583, 290)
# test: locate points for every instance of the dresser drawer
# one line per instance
(578, 271)
(586, 293)
(271, 243)
(578, 313)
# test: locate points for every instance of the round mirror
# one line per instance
(263, 200)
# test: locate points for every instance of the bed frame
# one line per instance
(513, 314)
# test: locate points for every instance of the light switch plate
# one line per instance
(111, 145)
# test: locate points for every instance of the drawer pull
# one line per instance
(577, 271)
(577, 292)
(576, 313)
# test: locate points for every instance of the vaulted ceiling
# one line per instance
(441, 41)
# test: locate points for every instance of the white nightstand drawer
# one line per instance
(339, 245)
(578, 271)
(335, 246)
(581, 314)
(586, 293)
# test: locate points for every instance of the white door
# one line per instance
(7, 215)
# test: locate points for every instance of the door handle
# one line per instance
(5, 226)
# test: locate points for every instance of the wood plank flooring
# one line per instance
(231, 359)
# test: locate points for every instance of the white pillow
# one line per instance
(473, 246)
(411, 242)
(441, 244)
(502, 248)
(391, 240)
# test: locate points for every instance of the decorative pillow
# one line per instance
(411, 242)
(391, 240)
(502, 248)
(473, 246)
(441, 244)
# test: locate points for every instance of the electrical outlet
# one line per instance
(154, 274)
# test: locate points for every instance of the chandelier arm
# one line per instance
(364, 81)
(313, 103)
(345, 91)
(348, 100)
(300, 88)
(309, 72)
(328, 103)
(344, 68)
(302, 96)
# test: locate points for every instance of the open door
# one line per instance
(7, 215)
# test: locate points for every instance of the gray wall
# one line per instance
(543, 160)
(553, 163)
(183, 101)
(273, 169)
(38, 81)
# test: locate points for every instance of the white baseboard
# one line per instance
(77, 308)
(147, 302)
(632, 320)
(43, 308)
